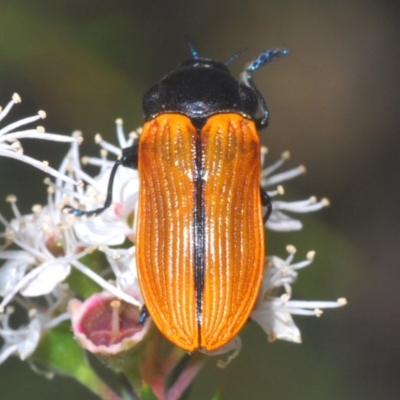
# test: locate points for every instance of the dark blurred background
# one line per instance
(334, 102)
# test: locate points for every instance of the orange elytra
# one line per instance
(200, 226)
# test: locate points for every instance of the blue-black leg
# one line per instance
(143, 315)
(129, 159)
(266, 202)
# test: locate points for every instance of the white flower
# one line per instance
(123, 264)
(278, 221)
(273, 313)
(49, 242)
(97, 231)
(10, 145)
(21, 341)
(49, 247)
(24, 340)
(113, 226)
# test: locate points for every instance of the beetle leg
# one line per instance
(266, 202)
(129, 159)
(143, 315)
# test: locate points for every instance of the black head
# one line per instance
(199, 89)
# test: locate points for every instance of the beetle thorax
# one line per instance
(199, 89)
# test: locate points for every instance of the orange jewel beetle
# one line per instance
(200, 223)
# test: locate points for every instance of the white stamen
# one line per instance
(302, 206)
(325, 202)
(284, 176)
(120, 133)
(237, 348)
(310, 255)
(16, 98)
(11, 198)
(115, 305)
(10, 104)
(264, 150)
(97, 138)
(36, 163)
(37, 208)
(76, 134)
(342, 301)
(103, 153)
(290, 249)
(104, 284)
(34, 134)
(133, 135)
(16, 146)
(318, 312)
(110, 147)
(285, 297)
(57, 320)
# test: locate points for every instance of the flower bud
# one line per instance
(107, 327)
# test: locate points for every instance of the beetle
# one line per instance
(200, 222)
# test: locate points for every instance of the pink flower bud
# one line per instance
(105, 325)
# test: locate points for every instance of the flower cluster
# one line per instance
(44, 249)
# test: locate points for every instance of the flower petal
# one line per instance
(28, 346)
(44, 278)
(11, 272)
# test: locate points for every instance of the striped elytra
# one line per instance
(200, 229)
(200, 235)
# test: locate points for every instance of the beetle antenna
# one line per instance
(246, 78)
(235, 56)
(265, 57)
(195, 55)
